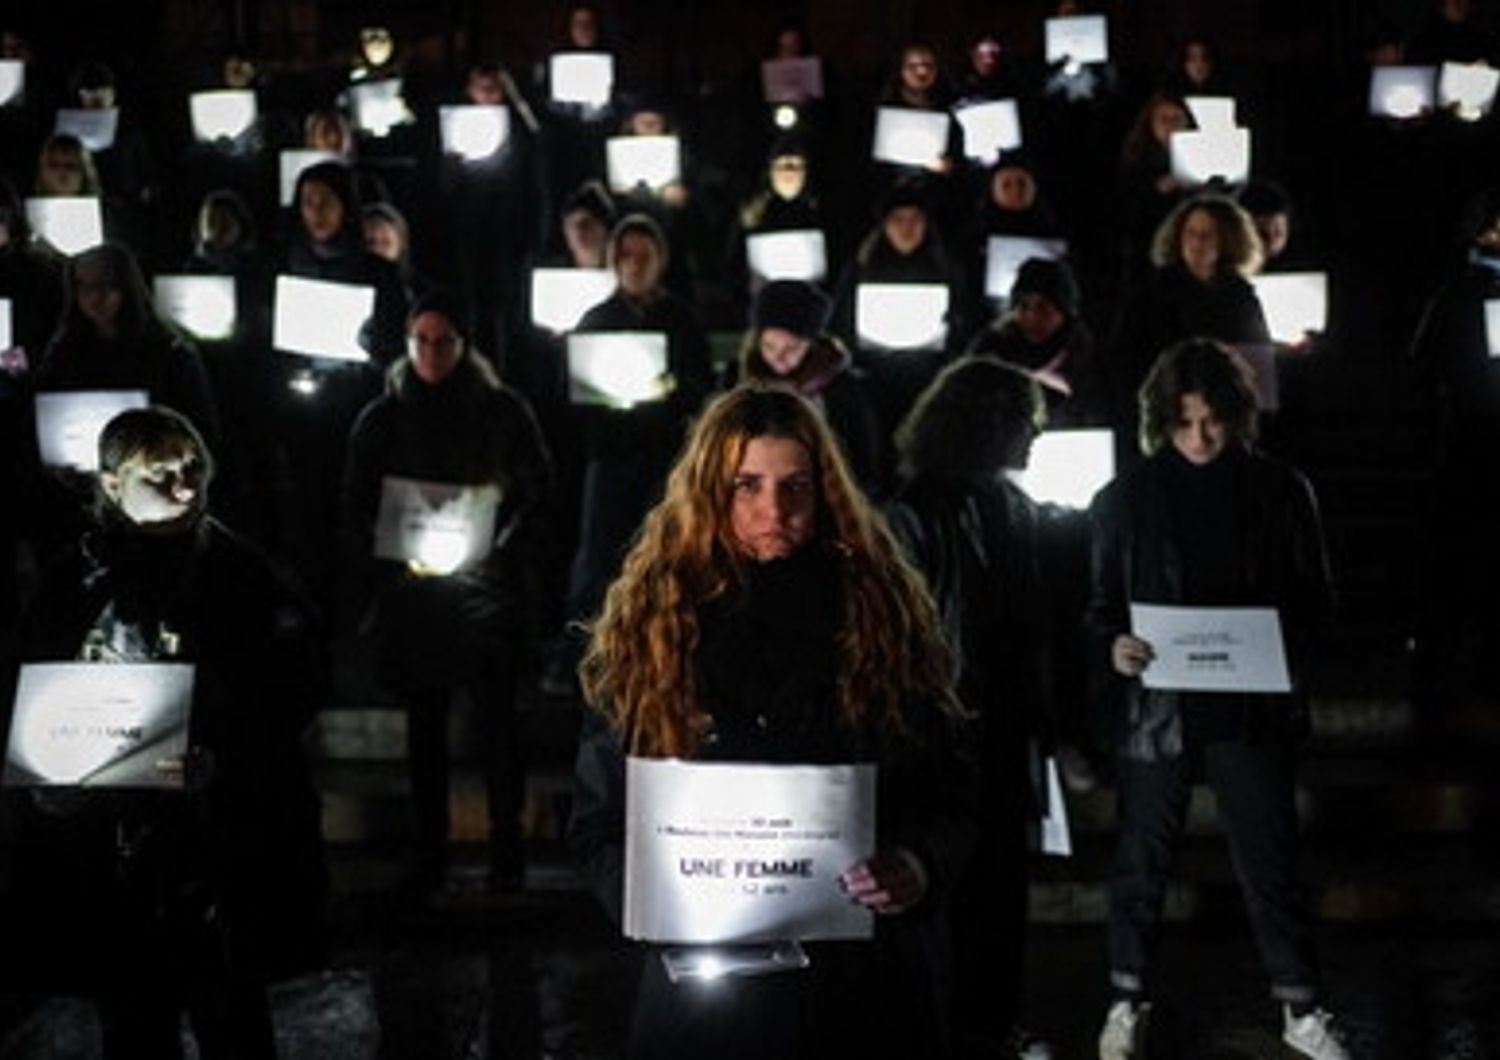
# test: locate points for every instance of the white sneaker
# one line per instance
(1124, 1034)
(1313, 1035)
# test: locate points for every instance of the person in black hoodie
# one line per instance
(157, 901)
(446, 419)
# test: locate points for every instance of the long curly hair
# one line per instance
(639, 669)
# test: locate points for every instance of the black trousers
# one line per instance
(1254, 788)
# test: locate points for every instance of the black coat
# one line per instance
(1277, 558)
(230, 873)
(767, 676)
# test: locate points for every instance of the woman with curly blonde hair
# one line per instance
(765, 614)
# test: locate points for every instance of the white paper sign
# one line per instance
(71, 223)
(12, 81)
(6, 316)
(582, 78)
(618, 369)
(795, 254)
(94, 127)
(1492, 325)
(560, 297)
(792, 80)
(224, 114)
(902, 316)
(1067, 468)
(1078, 39)
(1470, 89)
(654, 161)
(1212, 112)
(1200, 155)
(98, 724)
(727, 853)
(1057, 837)
(441, 526)
(474, 132)
(204, 306)
(320, 318)
(1295, 303)
(989, 128)
(1212, 649)
(1402, 91)
(379, 106)
(68, 423)
(1004, 256)
(293, 163)
(908, 137)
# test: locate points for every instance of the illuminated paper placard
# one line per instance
(1004, 256)
(1200, 155)
(719, 852)
(204, 306)
(1402, 91)
(99, 725)
(652, 161)
(293, 163)
(1212, 649)
(582, 78)
(796, 254)
(6, 326)
(1067, 468)
(224, 114)
(1470, 89)
(792, 80)
(907, 137)
(12, 81)
(68, 423)
(378, 106)
(989, 128)
(95, 128)
(71, 223)
(438, 526)
(618, 369)
(1077, 39)
(1212, 112)
(902, 316)
(1492, 325)
(319, 318)
(1295, 303)
(474, 132)
(560, 297)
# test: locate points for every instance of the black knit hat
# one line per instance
(1053, 280)
(792, 305)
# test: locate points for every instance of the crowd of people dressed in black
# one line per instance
(737, 389)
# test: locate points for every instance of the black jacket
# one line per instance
(1138, 557)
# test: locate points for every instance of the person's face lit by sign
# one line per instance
(161, 492)
(1489, 236)
(376, 45)
(1197, 63)
(219, 227)
(61, 172)
(789, 44)
(239, 72)
(1013, 188)
(1167, 118)
(648, 123)
(918, 70)
(1200, 245)
(1199, 435)
(788, 176)
(484, 89)
(587, 239)
(434, 346)
(383, 239)
(905, 229)
(985, 57)
(322, 211)
(638, 265)
(775, 499)
(1274, 230)
(100, 97)
(98, 298)
(783, 350)
(1038, 318)
(329, 132)
(583, 28)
